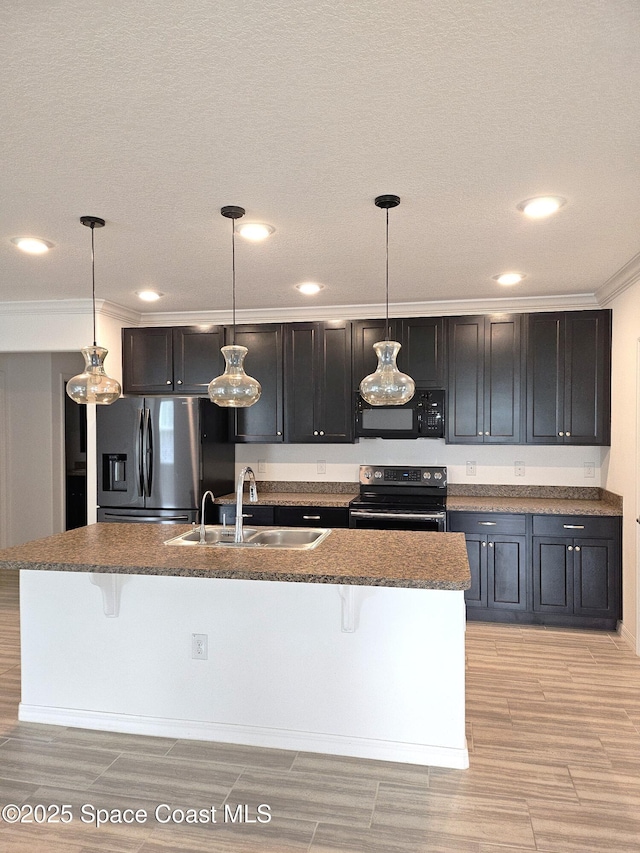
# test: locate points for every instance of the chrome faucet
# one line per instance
(253, 497)
(207, 494)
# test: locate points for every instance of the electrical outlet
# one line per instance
(471, 469)
(322, 466)
(518, 469)
(262, 466)
(589, 469)
(200, 646)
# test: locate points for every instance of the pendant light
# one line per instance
(234, 388)
(93, 385)
(387, 386)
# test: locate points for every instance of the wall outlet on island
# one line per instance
(471, 469)
(200, 646)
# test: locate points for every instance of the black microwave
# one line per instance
(421, 417)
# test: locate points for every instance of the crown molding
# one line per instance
(571, 302)
(70, 307)
(625, 277)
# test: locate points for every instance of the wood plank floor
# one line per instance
(554, 736)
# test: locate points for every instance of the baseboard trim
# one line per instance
(379, 750)
(627, 636)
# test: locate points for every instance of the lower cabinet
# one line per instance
(260, 516)
(312, 516)
(497, 549)
(543, 569)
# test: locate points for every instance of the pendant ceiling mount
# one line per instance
(93, 385)
(387, 386)
(234, 388)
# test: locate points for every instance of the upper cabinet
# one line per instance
(181, 360)
(318, 395)
(262, 422)
(484, 379)
(569, 378)
(421, 355)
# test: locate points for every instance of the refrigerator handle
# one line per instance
(140, 453)
(148, 454)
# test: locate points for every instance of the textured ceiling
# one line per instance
(154, 114)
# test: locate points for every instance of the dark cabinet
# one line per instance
(264, 421)
(497, 551)
(318, 401)
(254, 515)
(312, 516)
(568, 378)
(576, 569)
(181, 360)
(421, 354)
(484, 379)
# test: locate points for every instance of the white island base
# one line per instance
(372, 672)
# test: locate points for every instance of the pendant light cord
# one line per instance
(387, 332)
(233, 278)
(93, 283)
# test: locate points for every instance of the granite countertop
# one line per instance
(295, 498)
(536, 506)
(409, 559)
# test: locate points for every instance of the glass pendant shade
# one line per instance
(387, 386)
(234, 388)
(93, 385)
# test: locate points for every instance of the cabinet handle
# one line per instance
(315, 432)
(321, 432)
(487, 523)
(490, 544)
(311, 517)
(570, 548)
(279, 432)
(179, 381)
(573, 526)
(577, 547)
(487, 432)
(479, 432)
(484, 544)
(567, 433)
(169, 382)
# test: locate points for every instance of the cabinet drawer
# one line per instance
(576, 525)
(260, 515)
(486, 522)
(312, 516)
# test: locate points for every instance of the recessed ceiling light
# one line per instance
(545, 205)
(149, 295)
(509, 277)
(255, 231)
(32, 245)
(309, 288)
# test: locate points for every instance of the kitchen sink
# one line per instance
(298, 538)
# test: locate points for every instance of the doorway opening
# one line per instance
(75, 463)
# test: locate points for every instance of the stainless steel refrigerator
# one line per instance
(157, 456)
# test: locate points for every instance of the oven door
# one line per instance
(376, 519)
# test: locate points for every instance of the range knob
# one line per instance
(378, 475)
(427, 475)
(438, 475)
(367, 475)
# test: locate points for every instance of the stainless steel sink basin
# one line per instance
(298, 538)
(213, 535)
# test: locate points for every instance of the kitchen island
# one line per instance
(353, 648)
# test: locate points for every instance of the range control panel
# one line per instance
(397, 475)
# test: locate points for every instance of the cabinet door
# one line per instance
(196, 358)
(254, 516)
(476, 595)
(595, 591)
(465, 399)
(552, 575)
(545, 379)
(262, 422)
(587, 370)
(333, 375)
(147, 361)
(506, 572)
(502, 379)
(422, 353)
(318, 396)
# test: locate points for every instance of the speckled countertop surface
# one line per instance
(537, 506)
(417, 560)
(295, 498)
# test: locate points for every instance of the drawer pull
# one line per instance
(490, 544)
(311, 517)
(577, 547)
(573, 526)
(570, 548)
(488, 523)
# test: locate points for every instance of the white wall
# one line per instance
(623, 472)
(547, 466)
